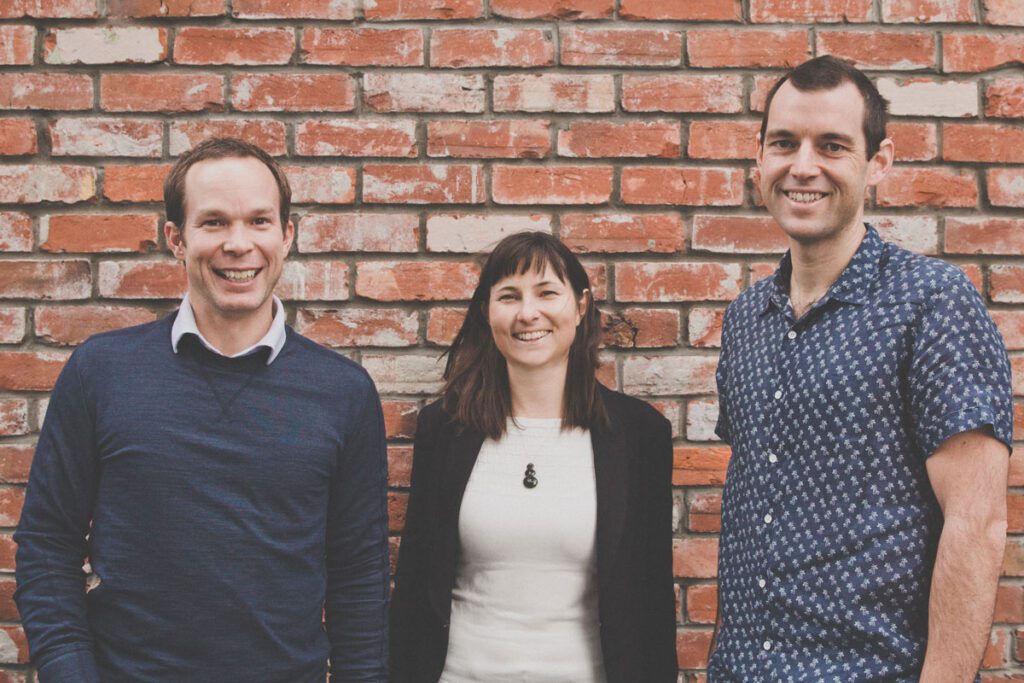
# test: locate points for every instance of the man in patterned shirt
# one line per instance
(865, 393)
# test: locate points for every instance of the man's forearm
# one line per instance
(962, 599)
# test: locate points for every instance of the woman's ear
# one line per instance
(582, 304)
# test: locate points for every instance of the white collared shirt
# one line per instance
(185, 323)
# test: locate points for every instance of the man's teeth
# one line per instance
(239, 275)
(530, 336)
(805, 197)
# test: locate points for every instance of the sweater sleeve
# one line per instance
(52, 535)
(357, 552)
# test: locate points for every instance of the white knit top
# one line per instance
(524, 606)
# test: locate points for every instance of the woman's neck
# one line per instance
(537, 392)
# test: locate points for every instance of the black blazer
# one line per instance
(636, 600)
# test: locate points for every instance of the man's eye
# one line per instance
(782, 144)
(834, 147)
(213, 222)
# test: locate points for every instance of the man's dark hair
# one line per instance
(828, 72)
(220, 148)
(476, 391)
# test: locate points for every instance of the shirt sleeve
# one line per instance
(721, 380)
(52, 534)
(960, 373)
(356, 608)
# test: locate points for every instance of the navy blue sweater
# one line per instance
(225, 506)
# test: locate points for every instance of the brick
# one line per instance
(233, 46)
(641, 328)
(598, 275)
(96, 233)
(1009, 604)
(475, 233)
(12, 324)
(704, 512)
(416, 280)
(106, 45)
(405, 373)
(72, 325)
(672, 410)
(903, 51)
(399, 458)
(695, 558)
(13, 417)
(293, 92)
(621, 47)
(172, 92)
(335, 10)
(11, 502)
(704, 327)
(682, 10)
(321, 184)
(692, 649)
(1005, 186)
(49, 9)
(988, 143)
(995, 653)
(702, 414)
(551, 184)
(359, 327)
(356, 137)
(759, 93)
(314, 281)
(145, 279)
(1011, 325)
(443, 324)
(749, 48)
(662, 282)
(682, 93)
(7, 549)
(973, 273)
(106, 137)
(138, 9)
(594, 139)
(135, 183)
(15, 462)
(969, 235)
(1004, 98)
(30, 184)
(572, 10)
(30, 370)
(478, 47)
(423, 183)
(710, 139)
(919, 234)
(401, 10)
(936, 186)
(808, 11)
(701, 603)
(15, 232)
(268, 134)
(928, 11)
(505, 139)
(929, 97)
(914, 141)
(345, 232)
(1003, 12)
(551, 92)
(397, 506)
(429, 92)
(53, 91)
(17, 44)
(700, 466)
(738, 235)
(682, 186)
(18, 137)
(363, 46)
(400, 423)
(624, 233)
(973, 52)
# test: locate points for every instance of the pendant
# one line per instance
(530, 480)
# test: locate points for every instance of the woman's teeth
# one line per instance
(530, 336)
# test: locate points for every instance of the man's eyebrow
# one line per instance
(779, 133)
(838, 137)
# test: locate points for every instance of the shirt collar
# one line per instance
(185, 323)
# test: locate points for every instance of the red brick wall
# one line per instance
(417, 131)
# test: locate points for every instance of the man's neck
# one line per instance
(537, 392)
(817, 265)
(229, 335)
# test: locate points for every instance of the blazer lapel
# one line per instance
(612, 482)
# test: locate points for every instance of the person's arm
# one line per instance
(357, 552)
(968, 474)
(51, 538)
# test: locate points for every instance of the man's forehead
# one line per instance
(840, 109)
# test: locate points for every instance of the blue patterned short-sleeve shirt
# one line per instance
(829, 524)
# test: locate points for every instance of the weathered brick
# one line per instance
(692, 647)
(141, 279)
(12, 324)
(399, 457)
(474, 233)
(904, 51)
(13, 417)
(1003, 12)
(701, 603)
(710, 139)
(678, 10)
(1011, 326)
(429, 92)
(268, 134)
(677, 281)
(443, 324)
(927, 11)
(686, 186)
(695, 558)
(57, 91)
(135, 183)
(30, 370)
(704, 327)
(293, 92)
(313, 281)
(914, 141)
(1005, 186)
(30, 184)
(50, 280)
(738, 235)
(598, 274)
(1009, 604)
(416, 280)
(17, 44)
(356, 137)
(15, 231)
(175, 92)
(752, 48)
(49, 9)
(702, 414)
(363, 46)
(932, 186)
(164, 8)
(919, 234)
(624, 233)
(970, 235)
(701, 466)
(505, 139)
(106, 137)
(72, 325)
(359, 327)
(478, 47)
(18, 137)
(400, 423)
(620, 47)
(106, 45)
(551, 184)
(335, 10)
(682, 93)
(808, 11)
(398, 503)
(423, 183)
(554, 92)
(972, 52)
(321, 184)
(1004, 98)
(402, 10)
(343, 232)
(1006, 284)
(704, 512)
(592, 139)
(405, 373)
(641, 328)
(990, 143)
(929, 97)
(234, 46)
(668, 375)
(553, 9)
(92, 233)
(15, 462)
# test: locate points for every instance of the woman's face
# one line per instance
(533, 318)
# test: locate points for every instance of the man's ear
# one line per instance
(289, 236)
(175, 240)
(881, 163)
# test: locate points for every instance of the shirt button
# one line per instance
(778, 394)
(772, 458)
(767, 645)
(791, 334)
(768, 518)
(761, 583)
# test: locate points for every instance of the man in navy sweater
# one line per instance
(224, 476)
